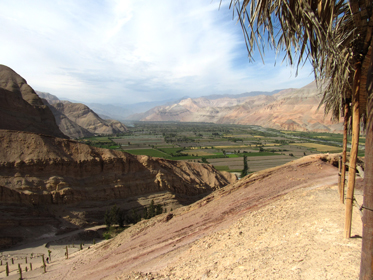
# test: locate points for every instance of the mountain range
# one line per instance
(289, 109)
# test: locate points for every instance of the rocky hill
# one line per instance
(281, 223)
(21, 108)
(77, 120)
(80, 182)
(290, 109)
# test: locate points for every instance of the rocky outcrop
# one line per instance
(44, 172)
(77, 120)
(20, 107)
(67, 126)
(56, 171)
(290, 109)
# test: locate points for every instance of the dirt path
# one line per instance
(283, 223)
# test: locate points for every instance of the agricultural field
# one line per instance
(224, 146)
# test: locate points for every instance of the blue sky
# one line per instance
(123, 52)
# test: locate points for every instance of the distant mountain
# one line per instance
(241, 95)
(77, 120)
(21, 108)
(289, 109)
(123, 111)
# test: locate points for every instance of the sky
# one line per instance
(131, 51)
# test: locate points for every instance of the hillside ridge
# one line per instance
(281, 223)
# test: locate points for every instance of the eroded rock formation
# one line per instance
(77, 120)
(21, 108)
(39, 171)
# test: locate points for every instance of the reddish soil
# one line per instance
(280, 223)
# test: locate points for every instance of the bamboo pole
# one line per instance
(339, 176)
(366, 265)
(344, 153)
(354, 150)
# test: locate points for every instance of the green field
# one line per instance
(219, 144)
(148, 152)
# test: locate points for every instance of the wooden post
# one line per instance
(366, 265)
(44, 266)
(344, 153)
(67, 253)
(339, 176)
(354, 150)
(7, 269)
(20, 272)
(26, 260)
(12, 261)
(30, 266)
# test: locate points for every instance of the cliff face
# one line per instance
(50, 170)
(62, 183)
(21, 108)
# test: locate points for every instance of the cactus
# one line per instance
(44, 266)
(20, 272)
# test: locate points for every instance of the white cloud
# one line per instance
(133, 50)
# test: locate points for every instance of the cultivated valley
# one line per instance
(167, 199)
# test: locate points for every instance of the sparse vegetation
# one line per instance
(116, 216)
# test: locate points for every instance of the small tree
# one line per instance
(120, 218)
(245, 169)
(158, 209)
(151, 210)
(107, 219)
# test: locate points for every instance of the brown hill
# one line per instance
(281, 223)
(290, 109)
(53, 177)
(77, 120)
(21, 108)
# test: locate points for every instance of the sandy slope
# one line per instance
(282, 223)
